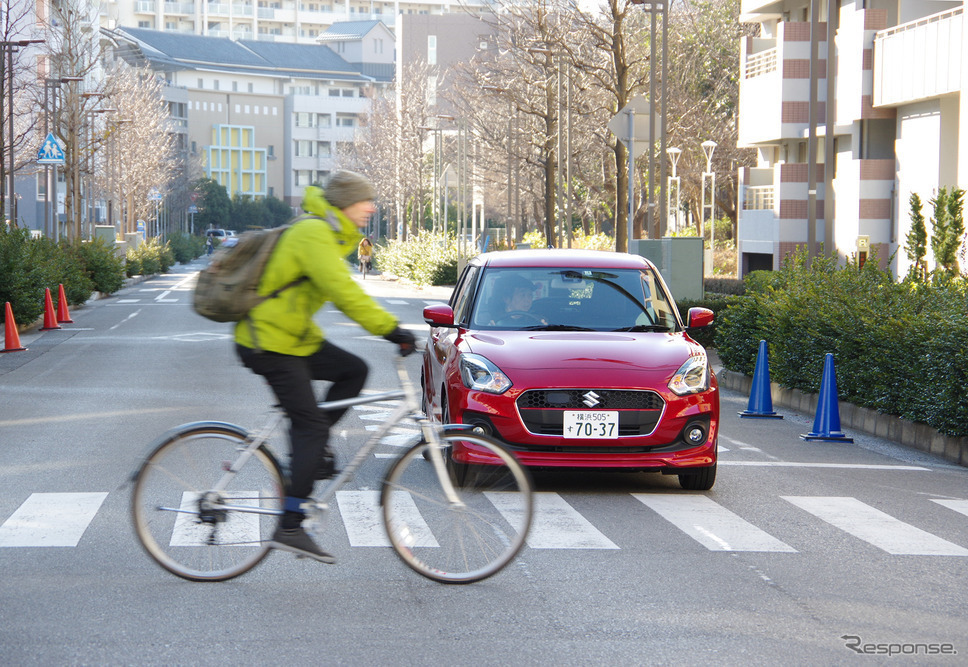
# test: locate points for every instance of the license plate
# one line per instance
(590, 424)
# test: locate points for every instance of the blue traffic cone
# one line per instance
(761, 401)
(826, 425)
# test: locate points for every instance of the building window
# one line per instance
(349, 92)
(325, 149)
(431, 49)
(215, 85)
(201, 84)
(324, 120)
(250, 87)
(304, 148)
(235, 86)
(304, 177)
(305, 119)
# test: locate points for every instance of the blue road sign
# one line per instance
(50, 151)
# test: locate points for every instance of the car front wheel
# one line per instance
(700, 480)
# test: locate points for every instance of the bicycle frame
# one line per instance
(410, 407)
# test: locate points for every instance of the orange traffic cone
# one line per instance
(63, 315)
(11, 335)
(50, 319)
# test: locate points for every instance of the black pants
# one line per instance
(291, 380)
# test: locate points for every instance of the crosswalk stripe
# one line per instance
(51, 520)
(555, 525)
(959, 505)
(363, 519)
(711, 524)
(875, 527)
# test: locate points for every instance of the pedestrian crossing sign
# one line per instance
(50, 151)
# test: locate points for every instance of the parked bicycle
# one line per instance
(207, 499)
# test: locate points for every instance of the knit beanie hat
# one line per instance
(345, 188)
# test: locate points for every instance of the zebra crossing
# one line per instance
(62, 520)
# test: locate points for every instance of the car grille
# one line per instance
(542, 409)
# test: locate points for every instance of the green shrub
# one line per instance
(425, 259)
(102, 264)
(899, 348)
(186, 247)
(20, 280)
(724, 286)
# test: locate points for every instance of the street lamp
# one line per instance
(435, 195)
(673, 186)
(462, 180)
(91, 150)
(709, 176)
(512, 117)
(6, 78)
(50, 106)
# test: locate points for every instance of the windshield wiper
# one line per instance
(645, 327)
(555, 327)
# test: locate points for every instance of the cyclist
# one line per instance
(365, 253)
(285, 346)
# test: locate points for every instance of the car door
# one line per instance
(443, 340)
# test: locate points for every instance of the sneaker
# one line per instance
(298, 542)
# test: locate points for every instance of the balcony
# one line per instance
(775, 85)
(919, 59)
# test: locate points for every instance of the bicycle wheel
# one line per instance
(457, 543)
(184, 525)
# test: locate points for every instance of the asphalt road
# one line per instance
(803, 553)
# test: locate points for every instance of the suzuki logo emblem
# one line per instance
(591, 399)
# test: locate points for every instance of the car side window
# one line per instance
(463, 293)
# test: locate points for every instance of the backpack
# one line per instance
(227, 288)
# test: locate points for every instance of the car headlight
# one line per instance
(480, 373)
(692, 377)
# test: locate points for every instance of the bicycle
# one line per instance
(207, 498)
(365, 266)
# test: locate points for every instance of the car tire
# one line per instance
(701, 480)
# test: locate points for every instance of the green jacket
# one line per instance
(316, 248)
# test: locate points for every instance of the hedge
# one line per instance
(899, 348)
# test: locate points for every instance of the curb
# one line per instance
(910, 434)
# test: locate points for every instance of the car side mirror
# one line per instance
(439, 315)
(699, 318)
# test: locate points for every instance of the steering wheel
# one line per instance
(513, 315)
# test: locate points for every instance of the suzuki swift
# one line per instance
(574, 359)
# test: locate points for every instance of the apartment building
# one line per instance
(263, 118)
(884, 96)
(300, 21)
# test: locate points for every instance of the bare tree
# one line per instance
(74, 62)
(145, 157)
(704, 38)
(16, 20)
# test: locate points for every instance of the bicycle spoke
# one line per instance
(193, 532)
(472, 539)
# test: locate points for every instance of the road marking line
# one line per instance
(555, 525)
(711, 524)
(363, 519)
(51, 520)
(398, 302)
(958, 505)
(794, 464)
(130, 316)
(240, 529)
(875, 527)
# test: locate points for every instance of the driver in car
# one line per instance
(516, 293)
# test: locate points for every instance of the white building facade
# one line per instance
(272, 20)
(889, 122)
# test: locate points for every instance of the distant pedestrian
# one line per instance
(209, 245)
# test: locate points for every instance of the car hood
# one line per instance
(598, 351)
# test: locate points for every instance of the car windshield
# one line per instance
(572, 299)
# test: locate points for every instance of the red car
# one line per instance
(574, 359)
